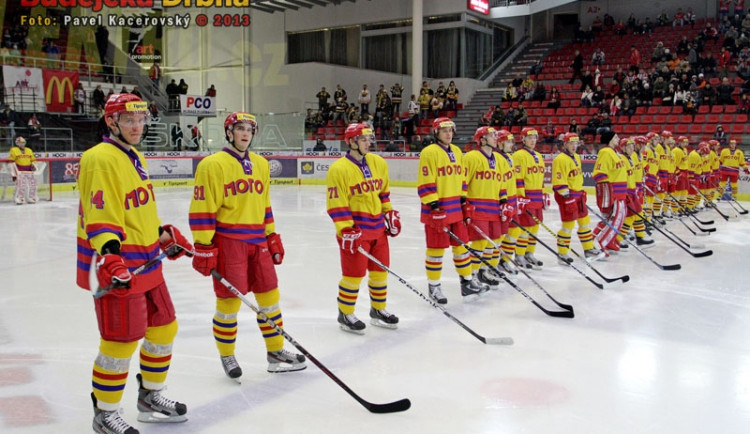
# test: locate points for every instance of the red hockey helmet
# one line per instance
(650, 135)
(442, 122)
(353, 131)
(620, 147)
(733, 142)
(683, 139)
(483, 131)
(240, 117)
(119, 103)
(529, 131)
(640, 140)
(571, 137)
(666, 134)
(703, 148)
(504, 135)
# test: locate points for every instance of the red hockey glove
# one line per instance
(275, 247)
(350, 239)
(177, 245)
(437, 219)
(468, 210)
(111, 270)
(205, 258)
(546, 202)
(507, 212)
(392, 223)
(521, 204)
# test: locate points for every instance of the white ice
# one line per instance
(667, 352)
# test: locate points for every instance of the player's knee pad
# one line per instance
(162, 335)
(268, 301)
(228, 306)
(378, 278)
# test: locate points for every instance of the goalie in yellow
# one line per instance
(359, 203)
(22, 171)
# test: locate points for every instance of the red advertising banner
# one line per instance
(58, 89)
(481, 6)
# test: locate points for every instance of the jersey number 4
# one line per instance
(97, 199)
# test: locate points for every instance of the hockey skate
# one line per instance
(523, 263)
(470, 289)
(350, 323)
(231, 368)
(565, 259)
(436, 293)
(624, 245)
(488, 278)
(594, 254)
(644, 242)
(509, 268)
(383, 318)
(110, 422)
(153, 407)
(285, 361)
(533, 261)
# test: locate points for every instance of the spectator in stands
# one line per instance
(549, 133)
(689, 106)
(536, 68)
(364, 99)
(720, 135)
(211, 91)
(679, 18)
(710, 33)
(744, 106)
(436, 105)
(396, 92)
(182, 87)
(573, 127)
(646, 27)
(424, 104)
(97, 98)
(576, 66)
(708, 65)
(605, 123)
(322, 96)
(708, 95)
(609, 21)
(124, 90)
(309, 122)
(579, 36)
(663, 19)
(598, 24)
(690, 17)
(620, 28)
(415, 144)
(586, 97)
(540, 93)
(632, 22)
(7, 41)
(554, 99)
(173, 93)
(152, 108)
(136, 92)
(745, 86)
(678, 98)
(497, 118)
(486, 117)
(592, 125)
(154, 73)
(319, 145)
(353, 115)
(79, 98)
(682, 46)
(35, 128)
(645, 95)
(451, 96)
(195, 138)
(619, 76)
(339, 112)
(660, 87)
(628, 105)
(597, 100)
(511, 93)
(724, 93)
(635, 59)
(392, 147)
(53, 54)
(586, 80)
(520, 116)
(658, 52)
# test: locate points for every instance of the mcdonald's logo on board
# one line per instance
(59, 88)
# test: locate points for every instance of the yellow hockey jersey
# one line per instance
(567, 175)
(231, 198)
(679, 158)
(637, 162)
(441, 179)
(695, 165)
(530, 176)
(485, 184)
(508, 174)
(117, 203)
(732, 161)
(610, 167)
(24, 159)
(358, 194)
(651, 166)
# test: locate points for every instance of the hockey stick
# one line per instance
(392, 407)
(560, 314)
(734, 204)
(662, 267)
(594, 282)
(690, 214)
(505, 255)
(101, 292)
(711, 204)
(492, 341)
(687, 249)
(624, 278)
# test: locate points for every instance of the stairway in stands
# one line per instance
(466, 120)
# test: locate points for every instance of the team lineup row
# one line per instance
(485, 205)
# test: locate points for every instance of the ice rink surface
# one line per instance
(667, 352)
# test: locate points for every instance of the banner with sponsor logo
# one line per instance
(481, 6)
(58, 89)
(170, 168)
(197, 105)
(282, 167)
(26, 85)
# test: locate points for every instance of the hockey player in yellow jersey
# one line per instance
(731, 160)
(715, 177)
(509, 208)
(695, 173)
(611, 179)
(567, 185)
(679, 159)
(663, 152)
(118, 221)
(22, 171)
(441, 186)
(651, 179)
(235, 234)
(486, 191)
(530, 168)
(359, 203)
(627, 148)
